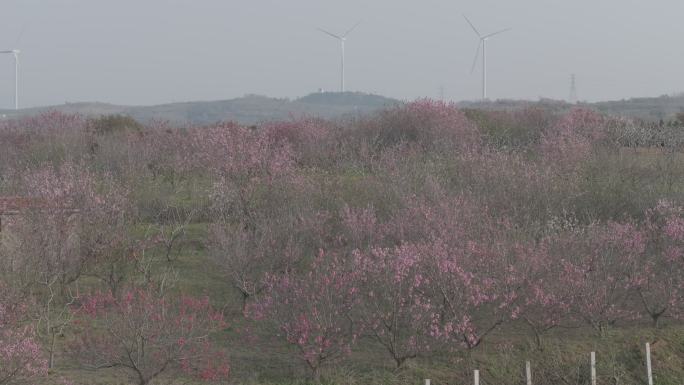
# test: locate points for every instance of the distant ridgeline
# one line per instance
(251, 109)
(665, 108)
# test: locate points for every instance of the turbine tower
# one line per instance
(482, 45)
(342, 39)
(16, 53)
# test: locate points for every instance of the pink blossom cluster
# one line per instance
(571, 139)
(234, 151)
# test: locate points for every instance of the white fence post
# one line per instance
(528, 372)
(427, 381)
(593, 368)
(476, 377)
(649, 369)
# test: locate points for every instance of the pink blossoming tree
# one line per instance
(312, 311)
(659, 279)
(394, 307)
(144, 333)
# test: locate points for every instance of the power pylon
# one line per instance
(573, 89)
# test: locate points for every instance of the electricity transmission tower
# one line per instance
(573, 89)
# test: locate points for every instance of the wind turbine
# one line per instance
(482, 45)
(16, 53)
(342, 39)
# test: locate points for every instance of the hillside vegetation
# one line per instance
(418, 241)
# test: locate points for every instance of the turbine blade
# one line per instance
(329, 33)
(351, 29)
(477, 55)
(496, 33)
(21, 34)
(472, 26)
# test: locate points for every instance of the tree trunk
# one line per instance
(603, 330)
(538, 340)
(245, 297)
(316, 375)
(141, 379)
(51, 362)
(656, 320)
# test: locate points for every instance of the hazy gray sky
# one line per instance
(157, 51)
